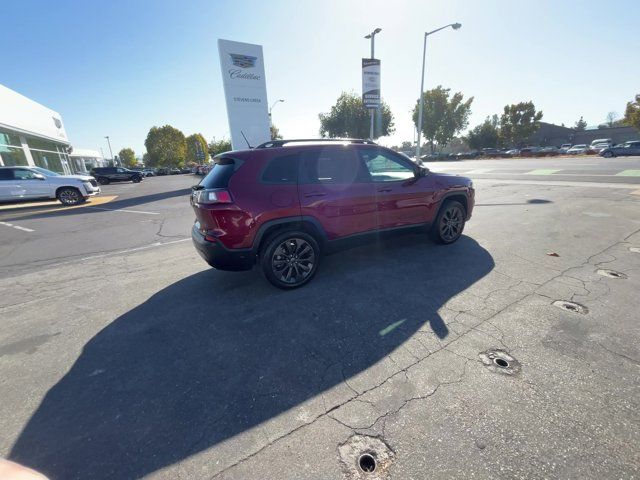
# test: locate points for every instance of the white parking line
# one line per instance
(17, 227)
(124, 210)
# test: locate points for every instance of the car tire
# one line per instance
(607, 154)
(449, 223)
(285, 256)
(69, 196)
(103, 181)
(136, 179)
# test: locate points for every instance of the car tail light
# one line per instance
(208, 197)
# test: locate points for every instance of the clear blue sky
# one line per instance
(116, 67)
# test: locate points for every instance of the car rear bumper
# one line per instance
(221, 257)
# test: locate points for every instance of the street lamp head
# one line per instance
(367, 36)
(377, 30)
(281, 100)
(456, 26)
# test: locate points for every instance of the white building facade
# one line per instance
(32, 134)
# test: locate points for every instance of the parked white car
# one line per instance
(565, 147)
(578, 149)
(25, 183)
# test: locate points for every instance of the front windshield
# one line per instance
(46, 172)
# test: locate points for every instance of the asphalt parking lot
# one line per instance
(123, 355)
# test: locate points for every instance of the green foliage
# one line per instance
(632, 113)
(580, 125)
(406, 145)
(193, 141)
(485, 135)
(275, 133)
(166, 147)
(128, 157)
(219, 147)
(349, 118)
(518, 122)
(442, 117)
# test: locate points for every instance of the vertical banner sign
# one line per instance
(245, 91)
(371, 82)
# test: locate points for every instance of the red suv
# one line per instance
(286, 203)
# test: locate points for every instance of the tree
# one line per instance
(611, 118)
(128, 157)
(196, 144)
(275, 133)
(166, 147)
(442, 117)
(220, 146)
(485, 135)
(632, 113)
(580, 125)
(406, 145)
(349, 118)
(518, 122)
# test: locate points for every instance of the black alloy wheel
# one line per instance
(290, 259)
(449, 223)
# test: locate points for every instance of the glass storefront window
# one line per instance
(41, 144)
(12, 156)
(48, 160)
(8, 138)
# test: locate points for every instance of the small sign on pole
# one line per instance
(371, 82)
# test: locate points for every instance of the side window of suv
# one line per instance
(120, 170)
(282, 169)
(337, 165)
(6, 174)
(385, 166)
(23, 174)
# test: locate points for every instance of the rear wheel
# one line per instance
(103, 181)
(136, 179)
(449, 223)
(70, 196)
(607, 154)
(290, 259)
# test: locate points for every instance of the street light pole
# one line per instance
(272, 107)
(455, 26)
(110, 151)
(372, 36)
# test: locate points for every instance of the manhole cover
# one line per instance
(499, 361)
(365, 458)
(634, 249)
(611, 273)
(571, 307)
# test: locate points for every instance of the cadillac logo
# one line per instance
(243, 61)
(57, 122)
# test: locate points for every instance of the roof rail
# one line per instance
(280, 143)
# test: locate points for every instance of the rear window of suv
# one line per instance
(220, 173)
(282, 170)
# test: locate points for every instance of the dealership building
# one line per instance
(34, 135)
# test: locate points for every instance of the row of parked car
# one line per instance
(603, 147)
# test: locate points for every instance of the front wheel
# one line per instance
(607, 154)
(136, 179)
(449, 222)
(290, 259)
(70, 196)
(103, 181)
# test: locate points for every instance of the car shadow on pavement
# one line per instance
(216, 354)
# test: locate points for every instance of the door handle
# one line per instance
(383, 190)
(314, 194)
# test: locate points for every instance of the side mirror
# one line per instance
(39, 176)
(422, 171)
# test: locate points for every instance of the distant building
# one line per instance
(31, 134)
(555, 135)
(83, 159)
